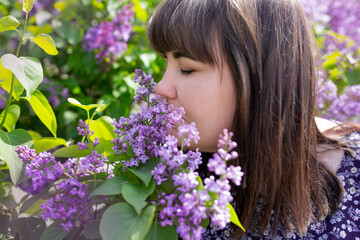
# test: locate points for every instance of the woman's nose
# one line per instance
(166, 87)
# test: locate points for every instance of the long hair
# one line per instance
(270, 48)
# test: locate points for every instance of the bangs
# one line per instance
(186, 26)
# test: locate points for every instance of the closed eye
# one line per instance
(186, 72)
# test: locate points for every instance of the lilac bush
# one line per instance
(142, 143)
(337, 26)
(108, 39)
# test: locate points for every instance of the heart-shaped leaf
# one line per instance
(121, 221)
(5, 82)
(136, 194)
(8, 23)
(111, 186)
(8, 143)
(28, 71)
(161, 233)
(45, 41)
(144, 170)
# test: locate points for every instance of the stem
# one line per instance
(3, 98)
(8, 103)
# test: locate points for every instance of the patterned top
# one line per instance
(344, 224)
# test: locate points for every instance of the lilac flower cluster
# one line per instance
(343, 17)
(69, 204)
(144, 131)
(343, 107)
(190, 204)
(43, 169)
(108, 39)
(346, 106)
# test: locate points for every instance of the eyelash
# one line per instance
(186, 72)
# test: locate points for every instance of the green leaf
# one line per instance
(140, 13)
(92, 229)
(5, 82)
(11, 117)
(234, 218)
(2, 176)
(104, 131)
(47, 143)
(161, 233)
(144, 170)
(34, 208)
(121, 221)
(111, 186)
(28, 5)
(30, 227)
(28, 71)
(34, 135)
(75, 102)
(68, 31)
(8, 23)
(71, 152)
(44, 41)
(8, 143)
(136, 194)
(54, 232)
(43, 110)
(353, 77)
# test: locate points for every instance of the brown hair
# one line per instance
(270, 47)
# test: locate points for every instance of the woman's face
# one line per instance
(206, 92)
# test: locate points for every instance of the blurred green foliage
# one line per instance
(76, 69)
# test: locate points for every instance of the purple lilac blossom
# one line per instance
(43, 169)
(108, 39)
(326, 93)
(69, 204)
(347, 105)
(189, 206)
(146, 130)
(343, 17)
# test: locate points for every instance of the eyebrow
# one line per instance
(178, 55)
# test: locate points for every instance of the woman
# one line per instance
(249, 66)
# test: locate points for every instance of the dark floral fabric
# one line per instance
(344, 224)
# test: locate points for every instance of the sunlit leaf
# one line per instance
(8, 143)
(8, 23)
(75, 102)
(46, 43)
(47, 143)
(11, 117)
(43, 110)
(28, 71)
(5, 82)
(28, 5)
(234, 218)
